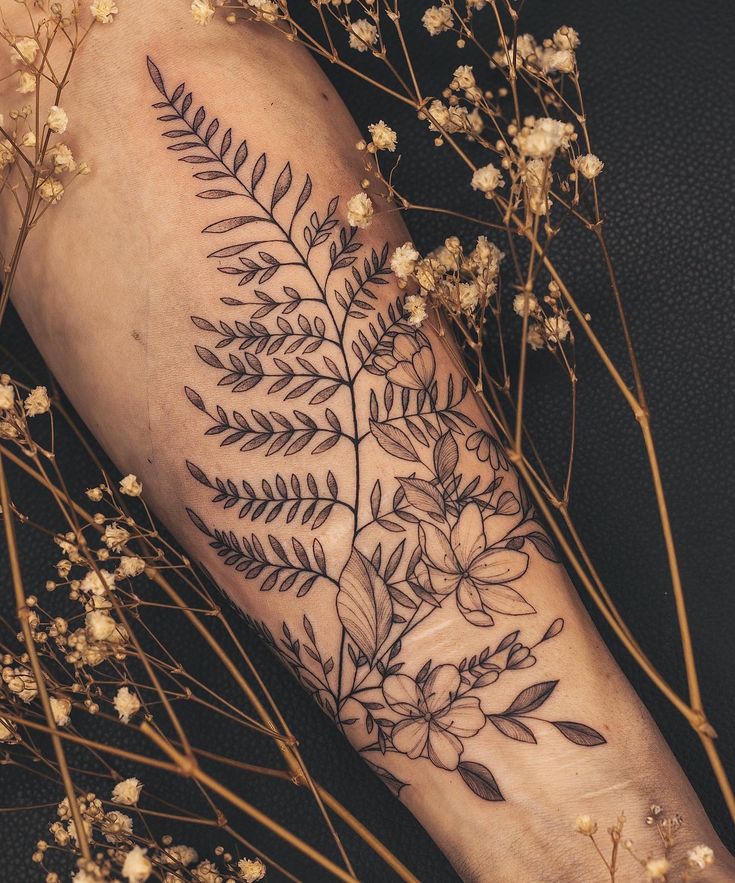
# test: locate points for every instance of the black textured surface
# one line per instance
(660, 98)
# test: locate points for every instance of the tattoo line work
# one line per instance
(318, 348)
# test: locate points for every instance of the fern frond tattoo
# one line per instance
(313, 358)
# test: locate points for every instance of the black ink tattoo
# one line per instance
(321, 344)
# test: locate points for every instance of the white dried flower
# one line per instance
(7, 153)
(137, 867)
(100, 626)
(115, 536)
(20, 682)
(131, 486)
(185, 855)
(24, 50)
(360, 210)
(126, 704)
(37, 401)
(585, 825)
(28, 139)
(437, 19)
(130, 566)
(464, 77)
(384, 138)
(414, 309)
(542, 137)
(51, 190)
(116, 826)
(558, 61)
(7, 732)
(535, 337)
(61, 710)
(103, 10)
(202, 11)
(657, 868)
(566, 38)
(557, 328)
(98, 584)
(63, 159)
(487, 179)
(469, 296)
(26, 82)
(363, 34)
(251, 870)
(700, 857)
(522, 302)
(403, 260)
(588, 165)
(7, 396)
(127, 792)
(57, 119)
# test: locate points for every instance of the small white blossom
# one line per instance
(57, 119)
(131, 486)
(202, 11)
(543, 137)
(557, 328)
(100, 626)
(61, 710)
(127, 792)
(95, 585)
(137, 867)
(63, 158)
(414, 309)
(558, 61)
(403, 260)
(657, 868)
(360, 210)
(130, 566)
(469, 296)
(384, 138)
(463, 77)
(700, 857)
(522, 302)
(103, 10)
(7, 396)
(24, 50)
(585, 825)
(7, 153)
(363, 35)
(37, 402)
(51, 190)
(126, 704)
(115, 536)
(437, 19)
(566, 38)
(588, 165)
(251, 870)
(117, 826)
(26, 82)
(487, 179)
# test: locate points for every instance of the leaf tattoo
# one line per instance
(314, 362)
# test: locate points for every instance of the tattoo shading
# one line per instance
(345, 373)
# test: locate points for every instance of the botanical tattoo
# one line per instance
(343, 372)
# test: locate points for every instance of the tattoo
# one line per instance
(449, 533)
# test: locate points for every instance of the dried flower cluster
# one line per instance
(659, 867)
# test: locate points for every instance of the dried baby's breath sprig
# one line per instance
(521, 129)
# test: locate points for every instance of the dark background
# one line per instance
(658, 87)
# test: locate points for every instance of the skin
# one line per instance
(107, 286)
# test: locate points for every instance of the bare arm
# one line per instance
(231, 339)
